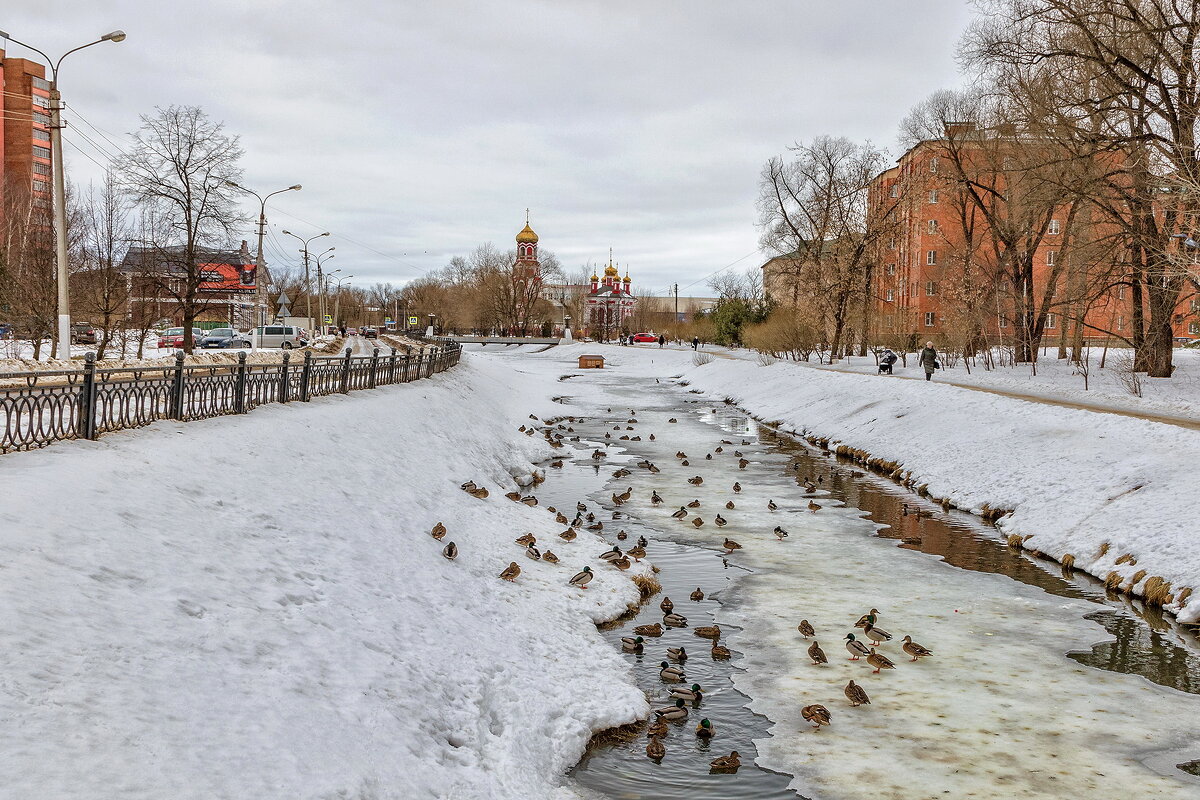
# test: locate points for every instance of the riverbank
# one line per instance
(253, 606)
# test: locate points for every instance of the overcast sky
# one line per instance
(420, 129)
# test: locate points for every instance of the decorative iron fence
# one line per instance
(45, 407)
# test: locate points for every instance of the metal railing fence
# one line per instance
(50, 406)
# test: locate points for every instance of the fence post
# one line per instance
(305, 373)
(374, 366)
(283, 377)
(239, 401)
(176, 411)
(346, 372)
(392, 367)
(86, 425)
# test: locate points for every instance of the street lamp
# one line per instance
(307, 279)
(260, 283)
(430, 331)
(567, 326)
(337, 298)
(57, 188)
(328, 254)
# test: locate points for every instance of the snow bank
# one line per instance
(253, 606)
(1114, 493)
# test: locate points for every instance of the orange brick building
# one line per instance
(24, 133)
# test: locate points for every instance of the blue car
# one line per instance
(224, 337)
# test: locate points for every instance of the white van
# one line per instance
(285, 336)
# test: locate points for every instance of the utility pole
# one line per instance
(307, 277)
(260, 271)
(676, 290)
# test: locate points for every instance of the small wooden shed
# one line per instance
(591, 362)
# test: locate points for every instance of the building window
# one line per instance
(41, 152)
(930, 288)
(1194, 305)
(1054, 228)
(931, 257)
(40, 169)
(891, 295)
(40, 83)
(933, 226)
(895, 190)
(1194, 328)
(41, 135)
(1120, 322)
(1051, 321)
(933, 195)
(40, 186)
(1003, 322)
(928, 319)
(39, 117)
(1120, 292)
(933, 164)
(38, 100)
(892, 243)
(1051, 257)
(891, 270)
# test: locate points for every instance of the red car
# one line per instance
(640, 338)
(173, 337)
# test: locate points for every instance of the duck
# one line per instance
(549, 557)
(870, 616)
(738, 453)
(720, 652)
(581, 579)
(915, 650)
(876, 635)
(672, 420)
(730, 545)
(669, 673)
(655, 498)
(622, 536)
(438, 531)
(706, 730)
(616, 499)
(708, 457)
(655, 749)
(596, 526)
(658, 729)
(743, 463)
(771, 506)
(526, 540)
(694, 504)
(817, 654)
(533, 553)
(632, 644)
(806, 629)
(685, 463)
(708, 631)
(737, 487)
(677, 711)
(817, 714)
(649, 630)
(637, 553)
(568, 535)
(677, 653)
(468, 486)
(666, 605)
(879, 661)
(581, 508)
(641, 542)
(653, 468)
(652, 435)
(691, 695)
(511, 572)
(855, 648)
(728, 763)
(697, 522)
(675, 620)
(680, 454)
(450, 551)
(622, 563)
(810, 487)
(813, 506)
(720, 521)
(530, 501)
(611, 555)
(729, 506)
(681, 513)
(696, 480)
(514, 496)
(561, 518)
(856, 694)
(698, 595)
(780, 533)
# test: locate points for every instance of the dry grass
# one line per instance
(648, 586)
(1068, 561)
(1103, 550)
(631, 611)
(1112, 581)
(1137, 578)
(618, 735)
(1184, 594)
(1015, 540)
(1157, 591)
(1127, 558)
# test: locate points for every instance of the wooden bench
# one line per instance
(591, 362)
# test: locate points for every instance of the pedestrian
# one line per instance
(622, 340)
(695, 342)
(929, 360)
(886, 361)
(661, 341)
(342, 331)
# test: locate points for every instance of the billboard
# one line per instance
(227, 278)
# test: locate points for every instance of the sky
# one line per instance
(422, 129)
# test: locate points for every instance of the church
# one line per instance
(609, 304)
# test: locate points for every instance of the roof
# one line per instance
(161, 260)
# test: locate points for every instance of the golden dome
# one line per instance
(626, 278)
(595, 277)
(610, 271)
(527, 235)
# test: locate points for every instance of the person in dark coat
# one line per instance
(695, 342)
(886, 361)
(661, 341)
(929, 360)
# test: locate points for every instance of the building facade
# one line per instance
(24, 134)
(157, 280)
(609, 303)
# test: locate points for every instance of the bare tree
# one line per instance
(27, 264)
(102, 290)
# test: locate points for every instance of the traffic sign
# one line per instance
(328, 319)
(412, 320)
(284, 300)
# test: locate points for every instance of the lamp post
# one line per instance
(567, 327)
(307, 278)
(328, 254)
(337, 298)
(62, 273)
(431, 319)
(260, 283)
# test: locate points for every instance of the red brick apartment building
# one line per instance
(24, 133)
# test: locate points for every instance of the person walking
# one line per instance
(886, 362)
(661, 341)
(695, 342)
(929, 360)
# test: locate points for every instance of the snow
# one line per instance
(253, 607)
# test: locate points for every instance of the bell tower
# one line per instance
(527, 265)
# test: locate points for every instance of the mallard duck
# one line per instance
(438, 531)
(649, 630)
(737, 487)
(450, 551)
(915, 650)
(581, 579)
(637, 553)
(514, 496)
(672, 420)
(814, 507)
(806, 629)
(468, 486)
(653, 468)
(530, 501)
(696, 480)
(511, 572)
(817, 714)
(817, 654)
(771, 506)
(655, 498)
(743, 463)
(611, 555)
(780, 533)
(670, 673)
(810, 487)
(625, 495)
(622, 535)
(666, 605)
(568, 535)
(621, 563)
(632, 644)
(677, 711)
(879, 661)
(644, 463)
(856, 694)
(652, 437)
(728, 763)
(730, 506)
(697, 522)
(641, 542)
(876, 635)
(855, 648)
(550, 557)
(616, 499)
(706, 730)
(870, 616)
(581, 508)
(677, 654)
(698, 594)
(730, 545)
(675, 620)
(692, 695)
(680, 454)
(720, 521)
(719, 450)
(481, 493)
(526, 540)
(658, 728)
(533, 553)
(685, 463)
(694, 504)
(708, 631)
(681, 513)
(720, 652)
(561, 518)
(655, 749)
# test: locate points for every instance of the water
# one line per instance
(964, 728)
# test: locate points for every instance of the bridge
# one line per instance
(505, 340)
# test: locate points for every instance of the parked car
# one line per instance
(82, 333)
(285, 336)
(173, 337)
(645, 337)
(370, 333)
(224, 337)
(6, 330)
(352, 331)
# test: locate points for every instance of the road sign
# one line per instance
(387, 320)
(328, 319)
(373, 308)
(412, 320)
(284, 300)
